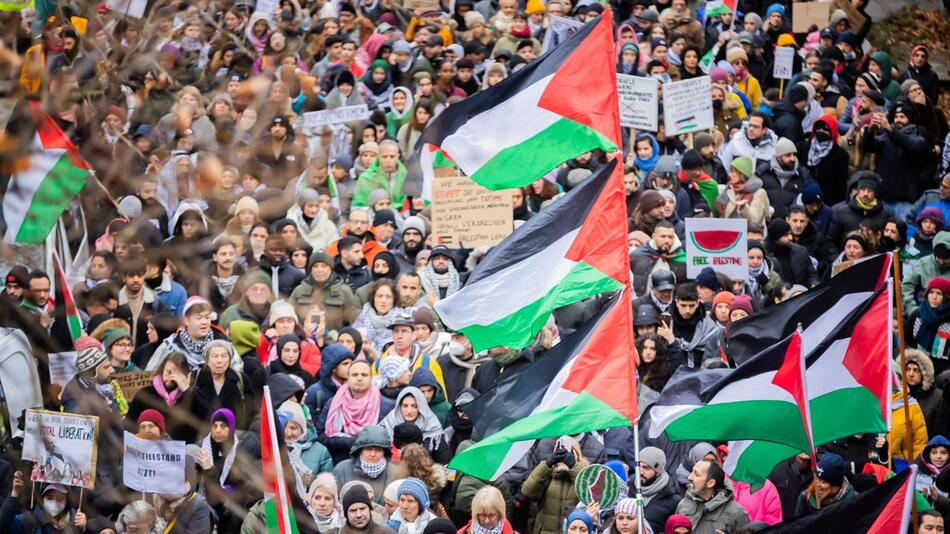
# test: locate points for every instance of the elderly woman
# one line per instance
(220, 385)
(136, 517)
(413, 514)
(488, 514)
(744, 197)
(188, 113)
(322, 503)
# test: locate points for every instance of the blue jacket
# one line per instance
(173, 295)
(321, 392)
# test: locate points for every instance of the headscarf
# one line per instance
(406, 111)
(226, 415)
(646, 165)
(583, 516)
(357, 337)
(347, 416)
(377, 88)
(426, 421)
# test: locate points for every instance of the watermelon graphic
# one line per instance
(715, 241)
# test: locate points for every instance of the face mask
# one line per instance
(717, 105)
(823, 136)
(53, 508)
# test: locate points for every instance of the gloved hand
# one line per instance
(556, 458)
(569, 459)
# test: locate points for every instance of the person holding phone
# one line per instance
(551, 485)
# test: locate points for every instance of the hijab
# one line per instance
(426, 420)
(377, 88)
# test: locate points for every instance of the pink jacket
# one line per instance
(763, 505)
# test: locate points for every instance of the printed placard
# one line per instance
(467, 214)
(784, 61)
(638, 102)
(62, 367)
(718, 243)
(155, 466)
(63, 447)
(315, 119)
(687, 106)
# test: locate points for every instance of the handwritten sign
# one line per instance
(467, 214)
(132, 8)
(687, 106)
(560, 29)
(62, 367)
(423, 5)
(63, 447)
(315, 119)
(266, 7)
(855, 18)
(718, 243)
(807, 14)
(131, 382)
(638, 102)
(155, 466)
(784, 61)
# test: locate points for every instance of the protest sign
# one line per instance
(132, 8)
(687, 106)
(155, 466)
(63, 447)
(424, 5)
(467, 214)
(638, 102)
(132, 381)
(855, 18)
(784, 61)
(806, 14)
(718, 243)
(266, 7)
(62, 367)
(314, 119)
(559, 30)
(596, 483)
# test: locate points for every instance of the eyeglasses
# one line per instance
(123, 344)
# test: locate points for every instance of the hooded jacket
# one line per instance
(375, 178)
(782, 186)
(740, 145)
(927, 472)
(787, 120)
(927, 395)
(901, 158)
(321, 392)
(920, 273)
(349, 469)
(889, 87)
(830, 169)
(439, 406)
(896, 437)
(721, 512)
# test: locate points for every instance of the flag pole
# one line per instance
(908, 430)
(636, 476)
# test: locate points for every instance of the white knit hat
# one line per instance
(281, 308)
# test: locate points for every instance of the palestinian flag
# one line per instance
(557, 107)
(586, 382)
(720, 7)
(884, 509)
(44, 181)
(571, 250)
(420, 171)
(848, 378)
(707, 187)
(819, 310)
(278, 511)
(765, 399)
(73, 320)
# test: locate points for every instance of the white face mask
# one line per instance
(53, 507)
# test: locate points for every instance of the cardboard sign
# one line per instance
(424, 5)
(784, 61)
(467, 214)
(638, 102)
(131, 382)
(559, 30)
(687, 106)
(855, 18)
(155, 466)
(62, 367)
(132, 8)
(804, 14)
(718, 243)
(596, 483)
(63, 447)
(315, 119)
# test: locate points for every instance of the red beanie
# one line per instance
(741, 302)
(939, 283)
(153, 416)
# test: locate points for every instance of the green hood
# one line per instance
(884, 60)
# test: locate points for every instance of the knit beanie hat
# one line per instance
(785, 145)
(534, 6)
(797, 93)
(89, 353)
(741, 302)
(939, 283)
(650, 200)
(280, 309)
(743, 164)
(723, 297)
(580, 514)
(320, 256)
(692, 159)
(717, 75)
(307, 195)
(618, 468)
(130, 206)
(736, 53)
(665, 166)
(775, 8)
(256, 276)
(414, 222)
(627, 505)
(675, 521)
(439, 526)
(859, 239)
(391, 493)
(406, 434)
(778, 228)
(655, 458)
(424, 316)
(153, 416)
(376, 195)
(707, 278)
(247, 203)
(355, 495)
(245, 336)
(933, 213)
(701, 141)
(473, 17)
(113, 335)
(417, 489)
(295, 411)
(786, 39)
(831, 469)
(811, 192)
(872, 80)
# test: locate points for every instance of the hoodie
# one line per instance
(927, 473)
(395, 119)
(439, 405)
(889, 88)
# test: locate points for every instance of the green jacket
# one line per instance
(920, 274)
(335, 297)
(314, 454)
(374, 178)
(889, 87)
(555, 495)
(722, 512)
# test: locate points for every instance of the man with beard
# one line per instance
(413, 242)
(660, 298)
(784, 178)
(328, 290)
(16, 283)
(409, 287)
(36, 296)
(791, 260)
(274, 262)
(358, 512)
(805, 233)
(71, 56)
(709, 503)
(631, 189)
(357, 225)
(659, 490)
(349, 264)
(278, 151)
(712, 165)
(829, 96)
(662, 252)
(439, 278)
(690, 330)
(137, 302)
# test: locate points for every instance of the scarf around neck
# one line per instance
(170, 397)
(347, 415)
(194, 350)
(228, 460)
(817, 151)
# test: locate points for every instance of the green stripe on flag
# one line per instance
(521, 164)
(518, 329)
(722, 421)
(583, 414)
(60, 185)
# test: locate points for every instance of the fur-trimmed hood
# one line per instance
(926, 367)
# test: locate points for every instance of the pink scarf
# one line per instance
(347, 416)
(170, 398)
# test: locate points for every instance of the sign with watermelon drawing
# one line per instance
(718, 243)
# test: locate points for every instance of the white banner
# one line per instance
(638, 102)
(687, 106)
(62, 367)
(314, 119)
(132, 8)
(559, 30)
(63, 447)
(155, 466)
(718, 243)
(784, 61)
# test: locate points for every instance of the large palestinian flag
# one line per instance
(848, 378)
(765, 399)
(278, 510)
(571, 250)
(586, 382)
(557, 107)
(818, 310)
(884, 509)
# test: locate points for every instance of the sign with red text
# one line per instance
(465, 214)
(718, 243)
(62, 447)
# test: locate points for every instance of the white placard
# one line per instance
(687, 106)
(62, 367)
(155, 466)
(266, 7)
(718, 243)
(784, 60)
(314, 119)
(638, 102)
(63, 447)
(132, 8)
(559, 30)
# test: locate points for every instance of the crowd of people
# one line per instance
(235, 246)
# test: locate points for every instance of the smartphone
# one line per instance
(666, 318)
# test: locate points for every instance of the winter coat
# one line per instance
(232, 395)
(831, 172)
(895, 438)
(185, 420)
(756, 211)
(646, 258)
(901, 157)
(808, 505)
(341, 447)
(349, 469)
(762, 505)
(286, 275)
(927, 472)
(374, 178)
(740, 145)
(335, 297)
(787, 120)
(319, 233)
(920, 273)
(422, 376)
(790, 480)
(80, 397)
(555, 495)
(927, 395)
(313, 454)
(321, 392)
(661, 506)
(929, 199)
(925, 76)
(356, 277)
(889, 87)
(721, 512)
(793, 264)
(847, 216)
(490, 373)
(781, 196)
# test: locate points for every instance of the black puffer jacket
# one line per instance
(847, 216)
(901, 158)
(793, 264)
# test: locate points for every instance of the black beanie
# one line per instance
(439, 526)
(778, 228)
(356, 494)
(691, 160)
(405, 434)
(798, 93)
